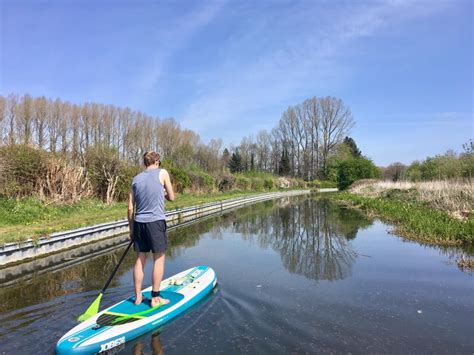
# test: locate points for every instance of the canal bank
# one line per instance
(15, 253)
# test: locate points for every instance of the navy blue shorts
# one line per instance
(150, 236)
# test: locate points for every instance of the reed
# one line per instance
(438, 212)
(456, 197)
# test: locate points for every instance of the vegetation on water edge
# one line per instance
(23, 219)
(414, 219)
(455, 197)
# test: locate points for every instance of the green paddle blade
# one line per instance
(92, 310)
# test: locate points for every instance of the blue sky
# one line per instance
(227, 69)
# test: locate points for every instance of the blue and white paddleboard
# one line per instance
(125, 321)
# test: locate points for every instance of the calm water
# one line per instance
(295, 276)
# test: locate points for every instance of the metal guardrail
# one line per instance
(19, 252)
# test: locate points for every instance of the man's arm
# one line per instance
(131, 205)
(168, 187)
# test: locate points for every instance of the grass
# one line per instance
(32, 218)
(413, 218)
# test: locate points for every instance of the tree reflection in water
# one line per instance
(312, 236)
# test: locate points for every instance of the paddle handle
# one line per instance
(116, 267)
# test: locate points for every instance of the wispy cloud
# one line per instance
(305, 58)
(168, 40)
(424, 119)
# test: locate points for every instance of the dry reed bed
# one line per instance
(455, 197)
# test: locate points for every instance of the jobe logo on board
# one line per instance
(112, 344)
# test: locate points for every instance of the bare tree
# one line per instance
(75, 135)
(53, 125)
(168, 137)
(12, 110)
(41, 117)
(395, 171)
(25, 119)
(336, 121)
(263, 143)
(312, 123)
(63, 126)
(3, 117)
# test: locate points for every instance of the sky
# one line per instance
(228, 69)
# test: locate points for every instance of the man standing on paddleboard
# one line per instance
(146, 218)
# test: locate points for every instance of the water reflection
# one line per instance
(312, 236)
(156, 347)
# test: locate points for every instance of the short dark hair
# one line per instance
(150, 157)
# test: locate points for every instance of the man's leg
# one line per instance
(157, 276)
(138, 276)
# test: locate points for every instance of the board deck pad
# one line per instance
(127, 311)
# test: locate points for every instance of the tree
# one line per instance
(3, 105)
(235, 163)
(336, 121)
(225, 158)
(467, 159)
(263, 150)
(413, 172)
(395, 172)
(285, 168)
(12, 111)
(25, 120)
(352, 147)
(354, 169)
(40, 121)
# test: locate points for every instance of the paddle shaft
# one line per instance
(116, 267)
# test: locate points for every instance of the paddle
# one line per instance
(94, 307)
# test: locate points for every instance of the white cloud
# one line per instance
(166, 42)
(307, 58)
(424, 119)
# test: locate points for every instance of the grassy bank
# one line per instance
(434, 213)
(20, 220)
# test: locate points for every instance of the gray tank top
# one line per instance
(149, 196)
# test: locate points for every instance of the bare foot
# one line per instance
(158, 301)
(138, 299)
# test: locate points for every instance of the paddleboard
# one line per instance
(125, 321)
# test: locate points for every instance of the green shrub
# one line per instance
(225, 182)
(315, 184)
(257, 184)
(127, 172)
(414, 171)
(242, 183)
(22, 167)
(104, 168)
(327, 185)
(179, 179)
(300, 183)
(268, 184)
(201, 181)
(354, 169)
(446, 166)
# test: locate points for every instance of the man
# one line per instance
(146, 218)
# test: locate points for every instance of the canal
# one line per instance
(295, 275)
